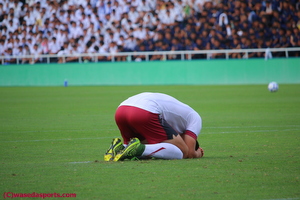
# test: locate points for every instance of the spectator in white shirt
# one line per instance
(2, 11)
(73, 16)
(2, 47)
(81, 42)
(89, 49)
(107, 21)
(149, 33)
(143, 6)
(199, 5)
(11, 14)
(120, 41)
(18, 51)
(100, 8)
(29, 18)
(113, 48)
(23, 41)
(85, 21)
(10, 10)
(94, 19)
(4, 30)
(36, 52)
(135, 3)
(11, 27)
(55, 32)
(74, 30)
(59, 36)
(148, 21)
(53, 17)
(78, 12)
(16, 42)
(24, 10)
(37, 12)
(64, 51)
(176, 12)
(168, 19)
(108, 37)
(91, 30)
(45, 46)
(52, 9)
(102, 50)
(64, 37)
(8, 59)
(46, 11)
(130, 43)
(76, 50)
(125, 5)
(47, 28)
(88, 10)
(152, 4)
(5, 20)
(130, 27)
(26, 52)
(30, 43)
(9, 43)
(54, 46)
(133, 15)
(140, 33)
(107, 8)
(116, 17)
(17, 6)
(118, 8)
(118, 33)
(124, 20)
(86, 37)
(62, 16)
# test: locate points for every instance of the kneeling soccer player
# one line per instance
(155, 125)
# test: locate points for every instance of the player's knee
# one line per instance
(185, 151)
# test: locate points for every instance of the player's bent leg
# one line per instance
(162, 151)
(179, 142)
(166, 151)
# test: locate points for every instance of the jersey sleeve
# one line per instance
(190, 133)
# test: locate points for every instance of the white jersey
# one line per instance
(177, 114)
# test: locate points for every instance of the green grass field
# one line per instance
(52, 140)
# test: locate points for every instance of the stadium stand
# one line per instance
(64, 27)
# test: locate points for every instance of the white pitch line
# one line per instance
(51, 131)
(80, 162)
(283, 199)
(252, 131)
(281, 126)
(62, 139)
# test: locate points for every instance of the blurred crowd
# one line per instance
(64, 27)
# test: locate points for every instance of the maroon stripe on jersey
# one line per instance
(154, 152)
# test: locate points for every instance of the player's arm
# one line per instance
(191, 143)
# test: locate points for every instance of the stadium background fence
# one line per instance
(181, 72)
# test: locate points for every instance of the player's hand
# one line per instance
(200, 152)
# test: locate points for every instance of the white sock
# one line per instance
(163, 151)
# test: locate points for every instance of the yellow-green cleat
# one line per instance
(133, 149)
(115, 147)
